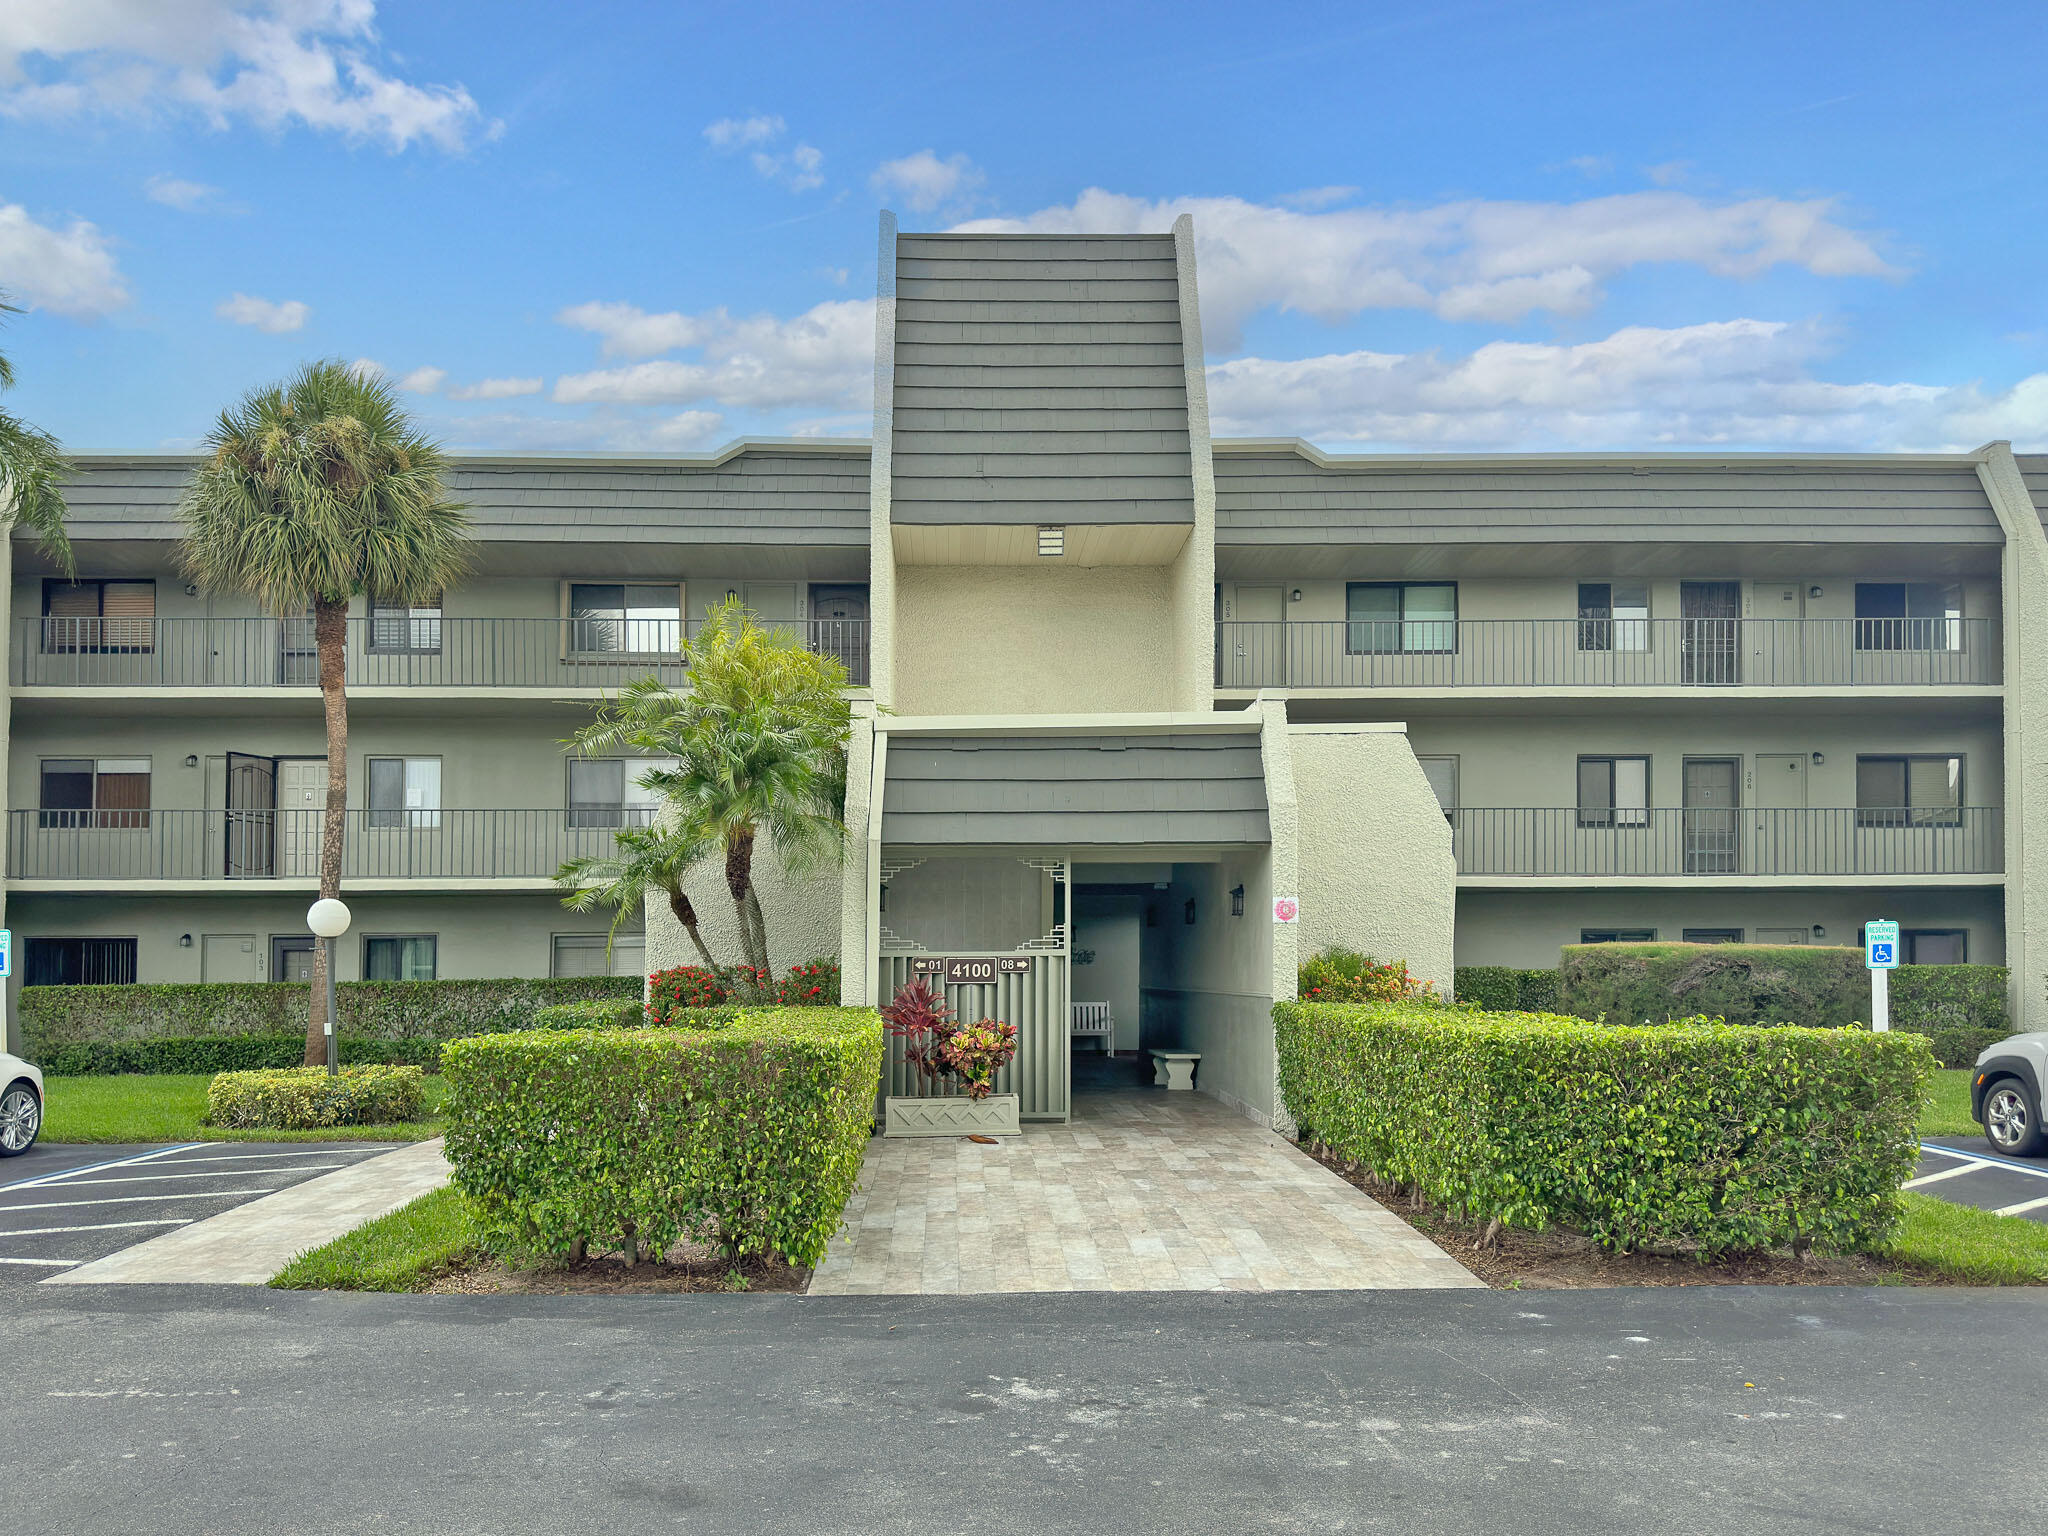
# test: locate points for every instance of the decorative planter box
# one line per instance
(995, 1115)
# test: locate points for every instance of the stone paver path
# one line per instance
(1140, 1192)
(249, 1244)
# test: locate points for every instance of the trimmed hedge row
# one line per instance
(1697, 1136)
(630, 1014)
(749, 1135)
(53, 1017)
(306, 1098)
(1504, 989)
(226, 1053)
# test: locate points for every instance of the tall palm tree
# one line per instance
(758, 743)
(647, 862)
(32, 471)
(314, 491)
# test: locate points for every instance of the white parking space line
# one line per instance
(219, 1173)
(1946, 1173)
(104, 1226)
(121, 1162)
(257, 1157)
(65, 1205)
(47, 1263)
(2022, 1208)
(1989, 1162)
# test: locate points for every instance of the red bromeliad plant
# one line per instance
(974, 1053)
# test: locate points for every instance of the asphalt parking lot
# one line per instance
(1965, 1170)
(65, 1205)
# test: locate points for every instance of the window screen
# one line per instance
(607, 792)
(1614, 791)
(405, 792)
(1909, 791)
(583, 954)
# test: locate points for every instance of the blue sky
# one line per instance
(1421, 226)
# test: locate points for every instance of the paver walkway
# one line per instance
(1141, 1191)
(249, 1244)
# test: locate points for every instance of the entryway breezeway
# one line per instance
(1140, 1190)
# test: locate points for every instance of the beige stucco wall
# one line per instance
(802, 913)
(1026, 640)
(1376, 872)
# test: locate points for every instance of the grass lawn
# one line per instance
(1971, 1246)
(142, 1107)
(1948, 1108)
(402, 1251)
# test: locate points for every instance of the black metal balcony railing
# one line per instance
(285, 845)
(1607, 653)
(1566, 841)
(384, 652)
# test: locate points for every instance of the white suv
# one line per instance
(2005, 1093)
(21, 1105)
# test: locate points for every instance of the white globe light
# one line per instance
(327, 918)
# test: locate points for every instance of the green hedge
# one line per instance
(54, 1017)
(750, 1135)
(207, 1054)
(1503, 989)
(306, 1098)
(1698, 1136)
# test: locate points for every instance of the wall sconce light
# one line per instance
(1819, 758)
(191, 759)
(731, 594)
(191, 589)
(1237, 901)
(184, 941)
(1187, 913)
(1819, 932)
(1813, 591)
(1294, 596)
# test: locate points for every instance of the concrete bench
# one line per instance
(1175, 1069)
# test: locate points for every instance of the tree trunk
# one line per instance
(758, 925)
(330, 638)
(686, 914)
(739, 884)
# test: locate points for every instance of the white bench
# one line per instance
(1175, 1069)
(1093, 1019)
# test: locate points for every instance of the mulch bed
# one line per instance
(1557, 1260)
(691, 1271)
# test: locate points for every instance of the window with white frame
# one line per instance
(1614, 791)
(94, 792)
(608, 792)
(1614, 616)
(583, 954)
(624, 618)
(405, 792)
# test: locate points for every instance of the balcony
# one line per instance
(1829, 842)
(1519, 654)
(235, 848)
(386, 652)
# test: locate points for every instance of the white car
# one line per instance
(21, 1105)
(2005, 1093)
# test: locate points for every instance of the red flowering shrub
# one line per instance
(814, 984)
(1346, 976)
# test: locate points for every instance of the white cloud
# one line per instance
(823, 357)
(925, 182)
(186, 196)
(1737, 383)
(682, 432)
(1472, 260)
(275, 318)
(275, 63)
(423, 381)
(494, 389)
(800, 169)
(71, 271)
(739, 132)
(1318, 197)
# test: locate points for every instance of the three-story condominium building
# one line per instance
(1141, 717)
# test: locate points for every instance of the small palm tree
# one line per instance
(758, 743)
(314, 491)
(32, 471)
(648, 861)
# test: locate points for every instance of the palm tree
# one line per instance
(314, 491)
(648, 861)
(32, 471)
(758, 746)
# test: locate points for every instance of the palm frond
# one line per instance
(33, 470)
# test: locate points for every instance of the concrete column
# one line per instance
(856, 873)
(2024, 602)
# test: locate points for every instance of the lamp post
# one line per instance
(328, 919)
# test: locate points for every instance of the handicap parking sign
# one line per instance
(1881, 946)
